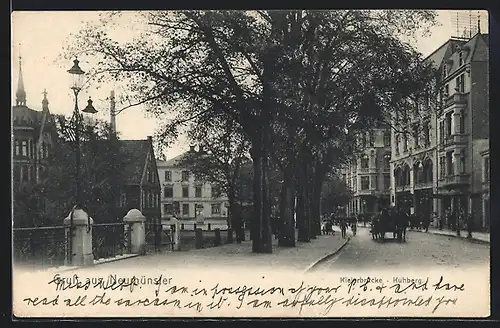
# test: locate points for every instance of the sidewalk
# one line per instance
(476, 236)
(301, 257)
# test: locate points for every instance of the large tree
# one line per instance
(318, 75)
(223, 149)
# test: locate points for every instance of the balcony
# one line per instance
(454, 140)
(456, 98)
(423, 185)
(453, 181)
(403, 188)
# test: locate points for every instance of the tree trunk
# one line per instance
(231, 219)
(256, 226)
(287, 228)
(316, 203)
(302, 206)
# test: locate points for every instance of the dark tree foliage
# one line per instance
(102, 164)
(299, 85)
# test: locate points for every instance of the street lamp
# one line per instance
(77, 75)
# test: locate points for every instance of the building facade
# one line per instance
(435, 164)
(192, 201)
(142, 186)
(485, 188)
(33, 134)
(367, 173)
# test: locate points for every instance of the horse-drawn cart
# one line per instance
(384, 223)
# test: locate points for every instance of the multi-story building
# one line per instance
(33, 134)
(367, 172)
(463, 121)
(433, 165)
(413, 149)
(485, 187)
(192, 201)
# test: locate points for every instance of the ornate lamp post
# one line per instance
(78, 75)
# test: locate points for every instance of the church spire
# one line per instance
(20, 93)
(45, 101)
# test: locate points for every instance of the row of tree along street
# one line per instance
(288, 89)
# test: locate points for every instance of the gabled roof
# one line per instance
(137, 154)
(468, 55)
(174, 162)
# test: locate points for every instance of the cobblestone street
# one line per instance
(420, 249)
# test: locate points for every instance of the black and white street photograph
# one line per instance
(250, 163)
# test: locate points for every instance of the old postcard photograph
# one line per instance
(259, 163)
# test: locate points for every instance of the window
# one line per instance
(25, 173)
(448, 124)
(168, 176)
(445, 71)
(168, 209)
(387, 162)
(24, 148)
(442, 167)
(405, 143)
(460, 59)
(44, 150)
(17, 148)
(460, 82)
(446, 91)
(168, 192)
(441, 131)
(449, 163)
(185, 176)
(462, 123)
(486, 169)
(365, 183)
(216, 208)
(387, 139)
(363, 140)
(364, 162)
(462, 163)
(215, 191)
(150, 174)
(374, 183)
(415, 135)
(427, 134)
(17, 173)
(398, 140)
(185, 209)
(197, 192)
(123, 199)
(387, 181)
(371, 139)
(185, 191)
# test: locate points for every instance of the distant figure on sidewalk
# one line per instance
(470, 225)
(459, 220)
(426, 222)
(343, 227)
(354, 227)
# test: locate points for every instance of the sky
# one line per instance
(39, 37)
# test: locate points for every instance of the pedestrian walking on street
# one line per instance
(343, 227)
(426, 222)
(469, 225)
(354, 227)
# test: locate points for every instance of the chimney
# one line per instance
(191, 148)
(112, 112)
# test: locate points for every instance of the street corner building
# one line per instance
(443, 169)
(195, 203)
(367, 173)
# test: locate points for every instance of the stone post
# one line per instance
(217, 241)
(79, 238)
(199, 238)
(137, 231)
(176, 233)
